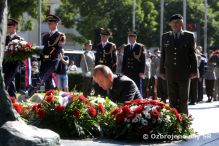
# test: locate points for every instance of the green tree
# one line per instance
(16, 9)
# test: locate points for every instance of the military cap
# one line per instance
(88, 43)
(52, 18)
(175, 16)
(105, 32)
(12, 22)
(132, 33)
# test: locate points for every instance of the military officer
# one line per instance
(133, 64)
(53, 43)
(106, 55)
(178, 62)
(11, 68)
(119, 88)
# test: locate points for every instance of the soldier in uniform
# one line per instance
(178, 62)
(53, 42)
(105, 55)
(133, 64)
(119, 88)
(11, 68)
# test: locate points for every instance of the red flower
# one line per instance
(178, 116)
(130, 116)
(92, 112)
(17, 107)
(41, 113)
(39, 105)
(76, 113)
(101, 108)
(167, 107)
(126, 109)
(161, 104)
(82, 98)
(59, 108)
(155, 114)
(138, 100)
(116, 111)
(130, 102)
(12, 99)
(139, 109)
(34, 107)
(49, 92)
(153, 102)
(120, 117)
(49, 98)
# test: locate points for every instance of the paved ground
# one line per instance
(206, 123)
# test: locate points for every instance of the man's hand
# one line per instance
(141, 75)
(193, 76)
(162, 76)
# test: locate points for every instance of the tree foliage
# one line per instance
(16, 9)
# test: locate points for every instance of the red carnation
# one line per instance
(82, 98)
(50, 92)
(138, 100)
(34, 107)
(131, 116)
(41, 113)
(101, 108)
(130, 102)
(76, 113)
(59, 108)
(116, 111)
(179, 118)
(39, 105)
(17, 107)
(167, 107)
(120, 117)
(139, 109)
(12, 99)
(126, 109)
(49, 98)
(92, 112)
(155, 114)
(153, 102)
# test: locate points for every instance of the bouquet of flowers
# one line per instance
(138, 118)
(18, 50)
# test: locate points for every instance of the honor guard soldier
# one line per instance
(106, 51)
(178, 63)
(53, 43)
(11, 68)
(105, 55)
(133, 64)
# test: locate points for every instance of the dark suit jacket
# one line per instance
(106, 55)
(178, 57)
(123, 89)
(131, 65)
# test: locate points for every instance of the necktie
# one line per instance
(131, 47)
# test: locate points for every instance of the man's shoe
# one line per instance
(192, 103)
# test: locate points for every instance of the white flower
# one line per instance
(147, 115)
(144, 122)
(137, 118)
(126, 120)
(132, 108)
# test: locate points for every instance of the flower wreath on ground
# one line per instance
(18, 50)
(148, 120)
(73, 116)
(70, 115)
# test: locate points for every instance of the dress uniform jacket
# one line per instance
(178, 57)
(123, 89)
(106, 55)
(133, 60)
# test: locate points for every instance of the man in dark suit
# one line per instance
(178, 63)
(133, 64)
(106, 55)
(53, 43)
(11, 68)
(119, 88)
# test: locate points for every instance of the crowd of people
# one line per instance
(175, 71)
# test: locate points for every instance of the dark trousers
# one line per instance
(193, 93)
(46, 70)
(210, 87)
(178, 92)
(200, 89)
(87, 85)
(10, 70)
(162, 89)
